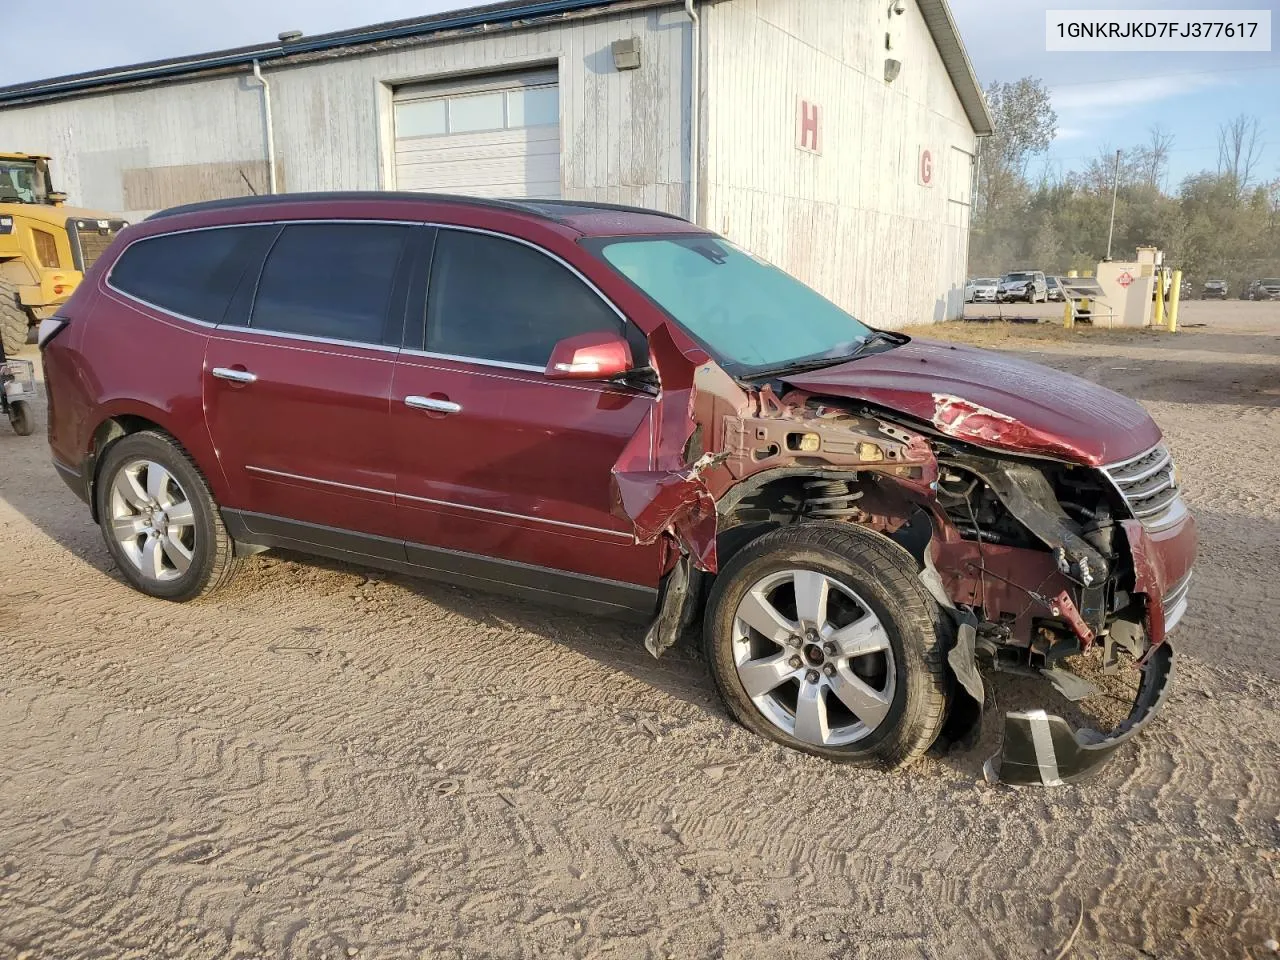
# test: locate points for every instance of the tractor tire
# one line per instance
(14, 323)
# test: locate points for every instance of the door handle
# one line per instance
(238, 376)
(430, 403)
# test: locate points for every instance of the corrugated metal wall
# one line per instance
(624, 134)
(852, 220)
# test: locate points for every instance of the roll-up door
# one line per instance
(489, 138)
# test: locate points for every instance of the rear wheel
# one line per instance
(159, 519)
(821, 638)
(14, 323)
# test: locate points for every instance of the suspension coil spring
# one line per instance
(831, 499)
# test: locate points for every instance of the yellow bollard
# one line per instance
(1159, 310)
(1067, 319)
(1175, 295)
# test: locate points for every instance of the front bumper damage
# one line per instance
(710, 439)
(1040, 748)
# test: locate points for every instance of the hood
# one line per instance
(994, 401)
(55, 216)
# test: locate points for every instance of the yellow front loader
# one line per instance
(45, 246)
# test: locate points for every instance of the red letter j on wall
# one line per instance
(808, 136)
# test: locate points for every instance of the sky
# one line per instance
(1103, 101)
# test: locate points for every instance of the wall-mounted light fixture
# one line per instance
(626, 53)
(891, 70)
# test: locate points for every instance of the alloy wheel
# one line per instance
(153, 521)
(813, 657)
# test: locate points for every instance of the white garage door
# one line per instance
(494, 139)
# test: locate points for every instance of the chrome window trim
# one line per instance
(106, 280)
(501, 364)
(307, 338)
(158, 309)
(481, 361)
(540, 249)
(600, 386)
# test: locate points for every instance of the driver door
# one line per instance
(494, 459)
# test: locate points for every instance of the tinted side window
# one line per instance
(331, 280)
(495, 299)
(195, 273)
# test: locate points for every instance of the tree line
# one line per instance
(1217, 224)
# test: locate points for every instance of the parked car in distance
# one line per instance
(1025, 285)
(1266, 289)
(1214, 290)
(620, 411)
(1053, 290)
(981, 290)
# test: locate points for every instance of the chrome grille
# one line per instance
(1175, 602)
(1149, 487)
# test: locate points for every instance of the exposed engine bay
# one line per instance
(1034, 559)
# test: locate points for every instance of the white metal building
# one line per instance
(835, 138)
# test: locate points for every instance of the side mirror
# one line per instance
(589, 356)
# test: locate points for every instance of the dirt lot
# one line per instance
(328, 762)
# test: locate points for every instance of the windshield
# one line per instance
(1269, 283)
(21, 181)
(750, 315)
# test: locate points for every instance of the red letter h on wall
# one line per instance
(808, 137)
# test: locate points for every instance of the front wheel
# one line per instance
(821, 638)
(159, 519)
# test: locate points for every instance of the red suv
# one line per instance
(618, 410)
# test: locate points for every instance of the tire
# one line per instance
(183, 560)
(14, 323)
(20, 418)
(909, 685)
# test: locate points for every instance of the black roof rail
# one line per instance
(232, 203)
(546, 209)
(588, 205)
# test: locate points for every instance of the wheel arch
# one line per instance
(740, 519)
(121, 421)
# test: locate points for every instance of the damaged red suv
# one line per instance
(618, 410)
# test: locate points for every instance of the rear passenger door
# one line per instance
(297, 381)
(493, 458)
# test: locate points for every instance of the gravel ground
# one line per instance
(331, 762)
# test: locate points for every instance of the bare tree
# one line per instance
(1152, 158)
(1239, 150)
(1025, 125)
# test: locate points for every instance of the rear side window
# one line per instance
(193, 274)
(495, 299)
(331, 280)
